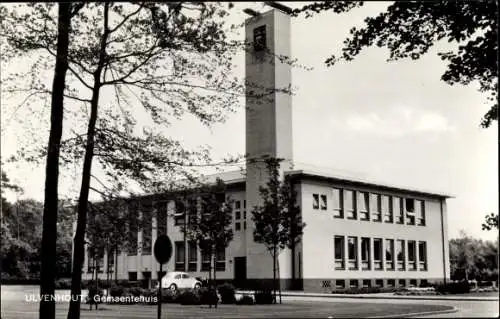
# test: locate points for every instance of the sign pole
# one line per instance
(159, 292)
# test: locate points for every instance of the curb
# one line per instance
(395, 297)
(424, 313)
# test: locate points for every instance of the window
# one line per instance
(379, 283)
(237, 215)
(377, 253)
(132, 276)
(413, 283)
(402, 282)
(412, 255)
(350, 204)
(400, 254)
(376, 208)
(367, 283)
(179, 256)
(338, 211)
(410, 211)
(245, 204)
(315, 201)
(323, 202)
(365, 253)
(237, 205)
(180, 213)
(192, 256)
(363, 206)
(339, 252)
(352, 246)
(161, 218)
(420, 206)
(387, 209)
(220, 259)
(422, 255)
(244, 225)
(133, 228)
(397, 208)
(340, 284)
(389, 254)
(90, 261)
(192, 211)
(353, 283)
(147, 233)
(205, 260)
(237, 226)
(391, 283)
(259, 38)
(244, 214)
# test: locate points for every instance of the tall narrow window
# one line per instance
(192, 256)
(420, 207)
(192, 210)
(376, 208)
(389, 254)
(398, 210)
(400, 254)
(147, 230)
(205, 260)
(338, 211)
(323, 202)
(365, 253)
(339, 252)
(412, 255)
(387, 209)
(377, 253)
(180, 256)
(363, 206)
(410, 211)
(220, 259)
(352, 246)
(133, 228)
(350, 204)
(161, 218)
(315, 201)
(422, 255)
(180, 213)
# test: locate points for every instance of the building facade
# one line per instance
(358, 233)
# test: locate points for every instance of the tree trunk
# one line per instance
(76, 280)
(274, 274)
(116, 265)
(215, 279)
(49, 234)
(279, 278)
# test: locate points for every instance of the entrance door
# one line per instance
(240, 272)
(146, 281)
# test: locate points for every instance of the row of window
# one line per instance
(192, 260)
(355, 205)
(239, 217)
(367, 283)
(363, 253)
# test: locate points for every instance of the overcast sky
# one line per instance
(393, 122)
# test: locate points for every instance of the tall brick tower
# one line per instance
(268, 122)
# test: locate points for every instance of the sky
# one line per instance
(392, 122)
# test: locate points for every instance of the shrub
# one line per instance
(116, 290)
(245, 300)
(135, 291)
(169, 296)
(264, 297)
(63, 283)
(208, 296)
(189, 297)
(227, 292)
(461, 287)
(94, 291)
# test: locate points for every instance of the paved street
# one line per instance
(14, 305)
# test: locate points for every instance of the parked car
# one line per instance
(179, 280)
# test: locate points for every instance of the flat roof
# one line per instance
(364, 182)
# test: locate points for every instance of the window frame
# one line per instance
(315, 201)
(389, 262)
(422, 264)
(350, 212)
(364, 215)
(400, 264)
(365, 263)
(338, 212)
(412, 264)
(376, 212)
(339, 262)
(323, 202)
(377, 263)
(388, 216)
(352, 262)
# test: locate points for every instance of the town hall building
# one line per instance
(358, 233)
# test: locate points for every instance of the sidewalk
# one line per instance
(380, 296)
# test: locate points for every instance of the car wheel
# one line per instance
(197, 286)
(173, 287)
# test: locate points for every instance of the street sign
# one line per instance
(163, 249)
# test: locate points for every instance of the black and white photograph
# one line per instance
(314, 159)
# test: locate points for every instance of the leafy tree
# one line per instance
(473, 259)
(490, 222)
(211, 229)
(278, 220)
(410, 28)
